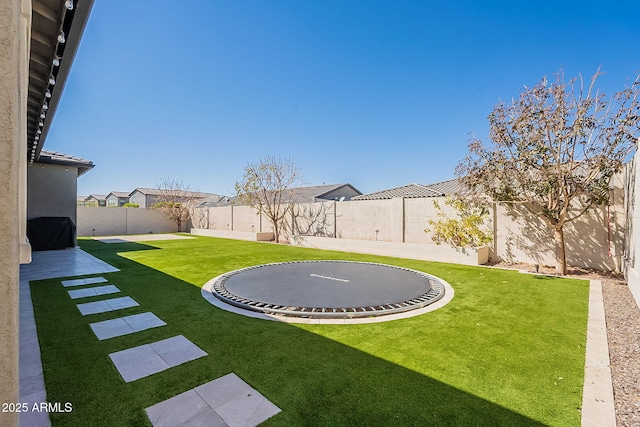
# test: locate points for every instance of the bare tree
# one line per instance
(555, 150)
(176, 200)
(269, 186)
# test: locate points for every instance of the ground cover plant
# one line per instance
(507, 350)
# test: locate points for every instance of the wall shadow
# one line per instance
(312, 220)
(587, 242)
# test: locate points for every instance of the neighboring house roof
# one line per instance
(118, 194)
(318, 192)
(300, 195)
(439, 189)
(52, 157)
(449, 187)
(406, 191)
(96, 196)
(157, 192)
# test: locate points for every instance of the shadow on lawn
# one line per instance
(314, 380)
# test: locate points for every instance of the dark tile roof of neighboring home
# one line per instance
(96, 196)
(55, 158)
(406, 191)
(301, 195)
(439, 189)
(318, 192)
(156, 191)
(449, 187)
(118, 194)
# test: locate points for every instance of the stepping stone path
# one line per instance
(106, 305)
(227, 401)
(125, 325)
(92, 292)
(142, 361)
(79, 282)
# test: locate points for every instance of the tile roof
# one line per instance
(439, 189)
(406, 191)
(451, 186)
(313, 193)
(118, 194)
(300, 195)
(156, 191)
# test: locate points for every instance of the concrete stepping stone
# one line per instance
(106, 305)
(226, 401)
(92, 292)
(142, 361)
(125, 325)
(80, 282)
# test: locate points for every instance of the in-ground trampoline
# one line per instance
(326, 290)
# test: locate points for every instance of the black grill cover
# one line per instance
(51, 232)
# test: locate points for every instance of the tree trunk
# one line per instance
(561, 259)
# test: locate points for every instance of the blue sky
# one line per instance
(375, 93)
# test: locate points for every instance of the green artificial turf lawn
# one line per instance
(508, 350)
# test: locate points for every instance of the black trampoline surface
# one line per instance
(328, 289)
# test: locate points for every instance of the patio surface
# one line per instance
(140, 238)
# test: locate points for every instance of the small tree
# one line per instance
(555, 150)
(464, 231)
(269, 186)
(175, 200)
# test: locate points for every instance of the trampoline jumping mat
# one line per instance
(328, 289)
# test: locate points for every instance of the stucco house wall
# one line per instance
(15, 28)
(52, 191)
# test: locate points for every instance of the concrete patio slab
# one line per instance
(125, 325)
(148, 359)
(111, 328)
(177, 350)
(92, 292)
(140, 238)
(63, 263)
(106, 305)
(143, 321)
(120, 303)
(138, 362)
(247, 410)
(187, 408)
(80, 282)
(234, 401)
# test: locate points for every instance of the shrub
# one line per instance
(464, 231)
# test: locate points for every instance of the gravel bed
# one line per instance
(623, 332)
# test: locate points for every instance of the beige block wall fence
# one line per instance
(596, 240)
(103, 221)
